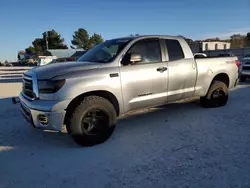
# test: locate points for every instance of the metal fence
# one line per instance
(12, 74)
(240, 52)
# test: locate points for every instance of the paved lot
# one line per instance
(179, 145)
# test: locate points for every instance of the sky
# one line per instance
(22, 21)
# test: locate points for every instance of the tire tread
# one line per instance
(206, 100)
(82, 138)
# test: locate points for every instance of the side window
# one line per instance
(174, 50)
(149, 50)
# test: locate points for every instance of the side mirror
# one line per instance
(131, 59)
(134, 58)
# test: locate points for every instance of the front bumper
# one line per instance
(53, 110)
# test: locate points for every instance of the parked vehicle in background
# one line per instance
(245, 68)
(247, 56)
(44, 60)
(119, 76)
(63, 59)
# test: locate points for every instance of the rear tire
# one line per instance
(217, 95)
(93, 121)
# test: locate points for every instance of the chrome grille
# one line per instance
(28, 86)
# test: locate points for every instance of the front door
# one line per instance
(144, 83)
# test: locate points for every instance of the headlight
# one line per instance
(50, 86)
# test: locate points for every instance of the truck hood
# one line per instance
(58, 69)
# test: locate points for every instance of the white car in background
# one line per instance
(44, 60)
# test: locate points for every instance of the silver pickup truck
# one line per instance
(118, 76)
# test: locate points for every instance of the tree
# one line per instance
(54, 40)
(30, 50)
(212, 39)
(39, 45)
(237, 41)
(190, 42)
(247, 40)
(95, 39)
(21, 52)
(81, 39)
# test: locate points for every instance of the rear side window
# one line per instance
(174, 50)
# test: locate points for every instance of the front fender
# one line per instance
(81, 85)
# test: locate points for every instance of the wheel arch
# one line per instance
(101, 93)
(223, 77)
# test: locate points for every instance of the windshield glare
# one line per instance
(106, 51)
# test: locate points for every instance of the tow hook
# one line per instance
(15, 100)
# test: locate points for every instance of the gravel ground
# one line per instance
(178, 145)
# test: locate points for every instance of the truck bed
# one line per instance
(209, 67)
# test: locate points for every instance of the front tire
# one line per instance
(217, 95)
(93, 121)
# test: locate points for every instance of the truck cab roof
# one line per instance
(149, 36)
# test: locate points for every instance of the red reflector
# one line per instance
(237, 62)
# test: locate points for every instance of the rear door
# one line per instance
(144, 83)
(181, 72)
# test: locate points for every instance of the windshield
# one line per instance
(106, 51)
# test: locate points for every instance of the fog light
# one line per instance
(43, 119)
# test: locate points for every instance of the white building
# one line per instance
(215, 45)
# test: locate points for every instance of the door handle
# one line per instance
(161, 69)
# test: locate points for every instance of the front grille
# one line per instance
(247, 63)
(28, 86)
(246, 68)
